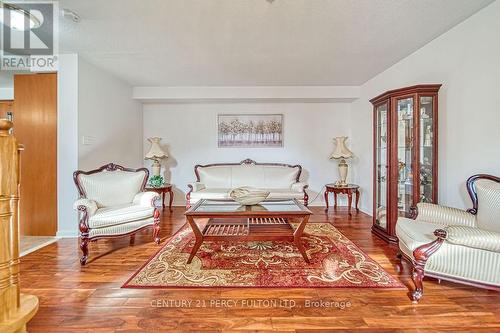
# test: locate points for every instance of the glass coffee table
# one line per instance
(230, 221)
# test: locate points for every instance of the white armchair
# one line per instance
(113, 204)
(456, 245)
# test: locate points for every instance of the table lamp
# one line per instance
(341, 153)
(155, 153)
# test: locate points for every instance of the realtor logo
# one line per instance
(29, 35)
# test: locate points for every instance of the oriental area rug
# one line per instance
(335, 263)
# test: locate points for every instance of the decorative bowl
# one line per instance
(248, 196)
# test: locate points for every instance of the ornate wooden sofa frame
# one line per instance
(84, 228)
(422, 253)
(249, 162)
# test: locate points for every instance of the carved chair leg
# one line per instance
(84, 246)
(188, 199)
(156, 230)
(417, 277)
(421, 254)
(156, 234)
(132, 240)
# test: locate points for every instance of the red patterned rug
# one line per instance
(335, 263)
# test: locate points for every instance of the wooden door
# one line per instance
(35, 126)
(5, 106)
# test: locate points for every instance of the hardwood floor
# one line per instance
(89, 299)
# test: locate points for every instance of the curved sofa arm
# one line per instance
(85, 204)
(146, 199)
(473, 237)
(444, 215)
(299, 186)
(195, 187)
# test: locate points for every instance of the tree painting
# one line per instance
(250, 130)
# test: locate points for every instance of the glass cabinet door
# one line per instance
(381, 155)
(426, 148)
(405, 128)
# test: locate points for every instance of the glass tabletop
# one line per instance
(229, 206)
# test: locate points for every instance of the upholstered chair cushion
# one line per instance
(412, 234)
(488, 212)
(111, 188)
(146, 199)
(452, 260)
(473, 237)
(280, 177)
(115, 215)
(89, 204)
(197, 186)
(247, 175)
(211, 194)
(215, 177)
(120, 229)
(444, 215)
(285, 194)
(298, 187)
(223, 194)
(259, 176)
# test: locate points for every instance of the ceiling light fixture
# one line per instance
(18, 17)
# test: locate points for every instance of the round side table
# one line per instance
(350, 189)
(161, 191)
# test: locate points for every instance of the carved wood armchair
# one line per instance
(113, 204)
(456, 245)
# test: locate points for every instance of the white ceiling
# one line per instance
(253, 42)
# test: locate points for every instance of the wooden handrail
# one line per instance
(16, 309)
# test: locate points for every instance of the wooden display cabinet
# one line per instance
(405, 133)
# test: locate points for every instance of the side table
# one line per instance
(161, 191)
(350, 189)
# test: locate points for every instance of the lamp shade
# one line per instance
(341, 151)
(155, 152)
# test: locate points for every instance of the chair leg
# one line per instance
(132, 240)
(417, 277)
(156, 230)
(421, 254)
(84, 246)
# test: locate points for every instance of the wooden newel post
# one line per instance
(16, 309)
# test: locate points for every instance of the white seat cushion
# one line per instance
(213, 193)
(285, 194)
(223, 193)
(110, 216)
(120, 229)
(413, 233)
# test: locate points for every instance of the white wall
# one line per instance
(93, 103)
(189, 133)
(6, 93)
(67, 143)
(109, 118)
(466, 60)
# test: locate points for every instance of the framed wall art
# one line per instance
(250, 130)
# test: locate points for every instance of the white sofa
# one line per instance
(215, 181)
(453, 244)
(113, 204)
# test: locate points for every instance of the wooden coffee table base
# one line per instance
(248, 229)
